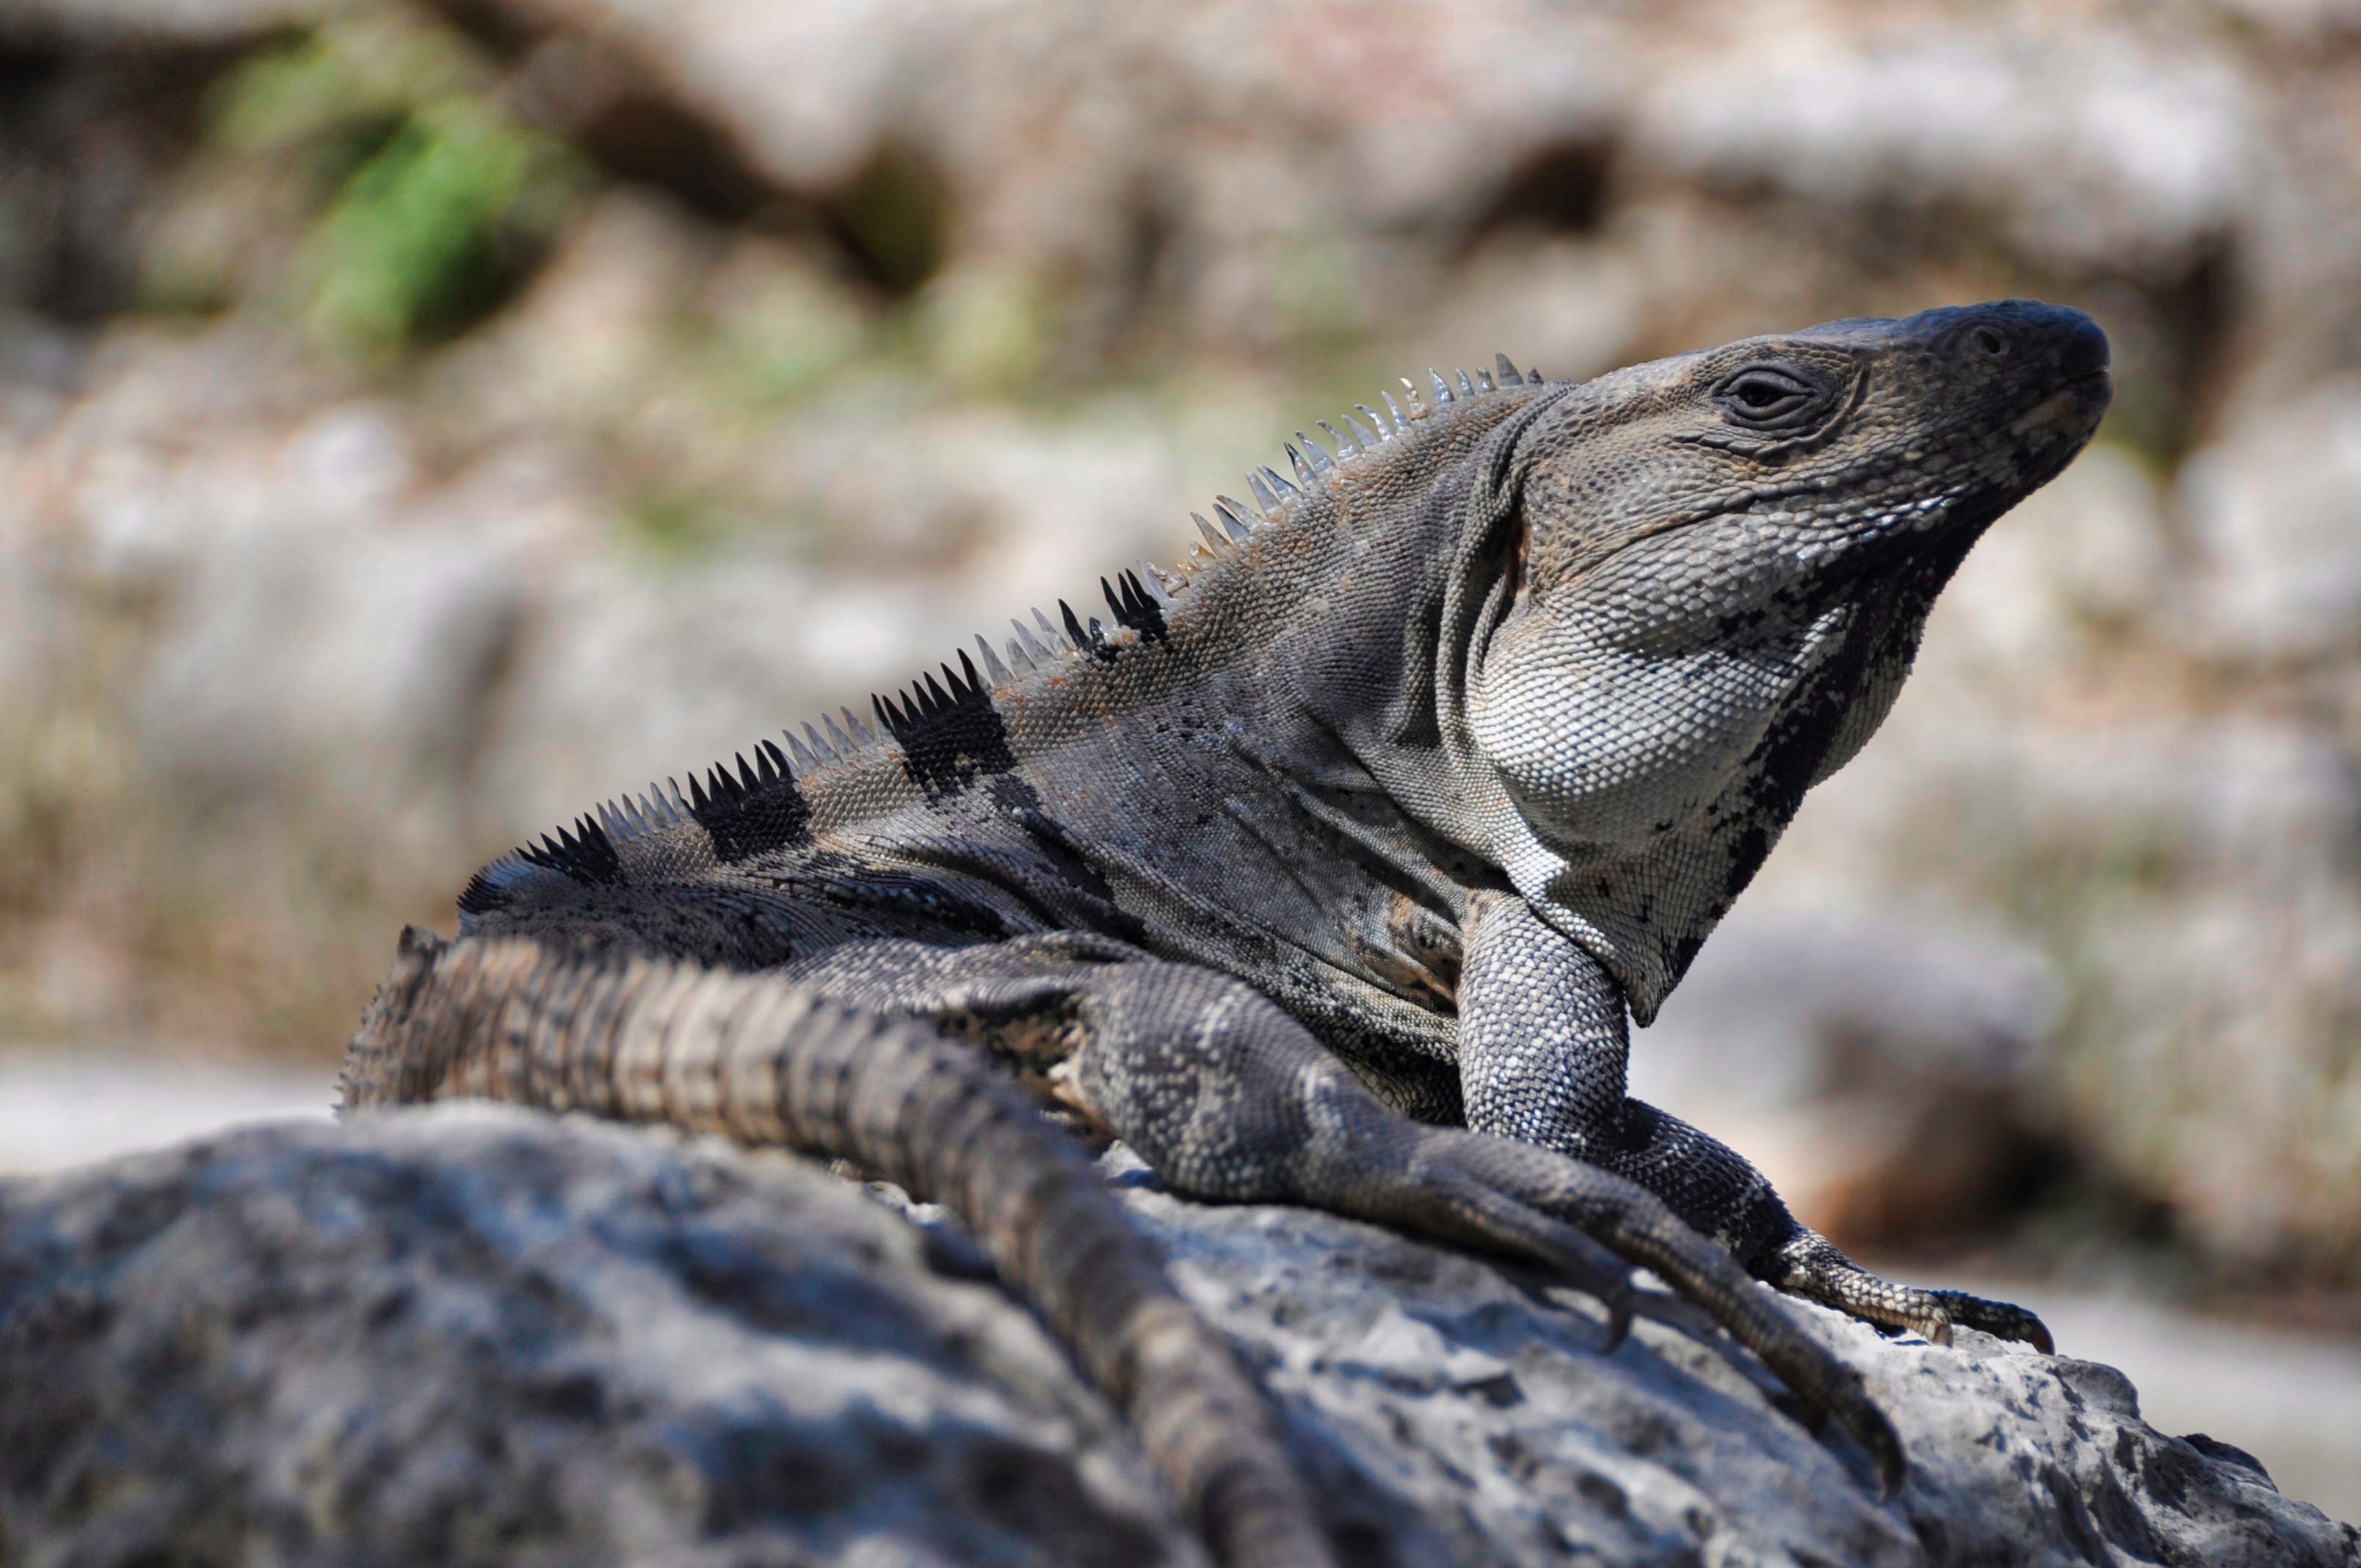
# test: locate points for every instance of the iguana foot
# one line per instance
(1507, 1195)
(1245, 1105)
(1809, 1267)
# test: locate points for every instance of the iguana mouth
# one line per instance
(2073, 405)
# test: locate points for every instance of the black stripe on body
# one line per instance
(1135, 606)
(483, 893)
(753, 813)
(584, 854)
(949, 739)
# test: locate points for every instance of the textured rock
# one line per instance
(468, 1336)
(2090, 146)
(480, 1337)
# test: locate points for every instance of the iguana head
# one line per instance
(1726, 559)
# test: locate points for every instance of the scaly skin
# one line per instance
(1331, 872)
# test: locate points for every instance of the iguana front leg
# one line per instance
(1543, 1043)
(1226, 1097)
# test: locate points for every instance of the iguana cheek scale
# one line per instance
(1328, 868)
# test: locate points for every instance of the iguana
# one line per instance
(1326, 871)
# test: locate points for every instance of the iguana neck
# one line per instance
(1360, 605)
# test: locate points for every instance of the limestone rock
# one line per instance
(479, 1336)
(2089, 146)
(464, 1334)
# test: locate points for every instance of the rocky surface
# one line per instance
(480, 1337)
(474, 1335)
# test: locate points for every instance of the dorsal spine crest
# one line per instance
(1135, 598)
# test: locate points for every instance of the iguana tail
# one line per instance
(764, 1061)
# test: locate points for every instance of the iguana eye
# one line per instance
(1765, 397)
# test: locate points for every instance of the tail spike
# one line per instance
(1442, 388)
(1033, 648)
(1019, 660)
(1509, 375)
(1262, 493)
(1484, 381)
(1361, 432)
(1239, 528)
(1401, 421)
(1082, 639)
(1244, 513)
(1050, 633)
(1467, 387)
(1151, 577)
(697, 797)
(858, 726)
(1303, 470)
(771, 762)
(747, 776)
(1279, 486)
(1213, 540)
(967, 668)
(1321, 462)
(838, 742)
(803, 756)
(937, 698)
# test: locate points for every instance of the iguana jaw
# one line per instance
(1716, 616)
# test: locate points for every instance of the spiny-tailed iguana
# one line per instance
(1326, 871)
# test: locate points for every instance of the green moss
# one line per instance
(340, 91)
(432, 200)
(434, 228)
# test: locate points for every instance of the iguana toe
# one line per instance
(1809, 1267)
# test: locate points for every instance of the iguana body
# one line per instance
(1357, 840)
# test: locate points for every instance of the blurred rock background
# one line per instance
(420, 420)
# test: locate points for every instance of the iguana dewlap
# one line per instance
(1325, 869)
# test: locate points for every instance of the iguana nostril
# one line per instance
(1989, 341)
